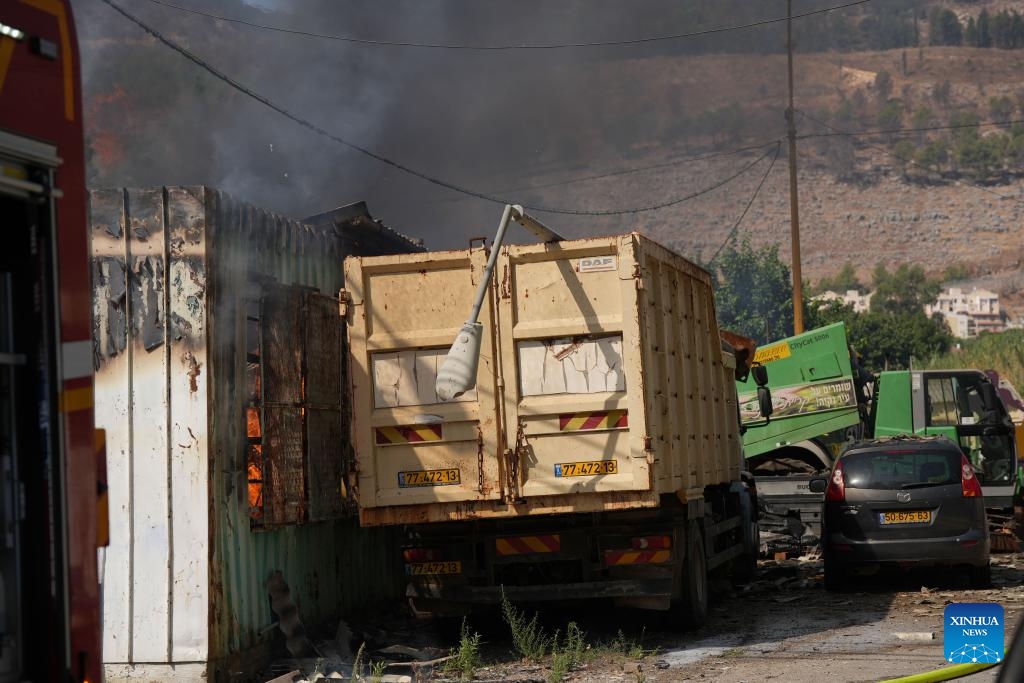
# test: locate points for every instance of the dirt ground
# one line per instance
(783, 626)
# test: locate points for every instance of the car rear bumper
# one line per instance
(971, 548)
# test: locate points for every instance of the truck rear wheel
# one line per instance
(745, 566)
(692, 607)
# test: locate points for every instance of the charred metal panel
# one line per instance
(326, 430)
(325, 439)
(284, 480)
(281, 324)
(324, 367)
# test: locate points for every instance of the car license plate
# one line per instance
(428, 478)
(586, 469)
(905, 517)
(424, 568)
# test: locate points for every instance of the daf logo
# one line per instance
(903, 497)
(590, 265)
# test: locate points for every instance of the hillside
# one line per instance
(507, 123)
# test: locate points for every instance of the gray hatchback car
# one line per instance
(904, 501)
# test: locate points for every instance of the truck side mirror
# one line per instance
(817, 485)
(764, 401)
(760, 373)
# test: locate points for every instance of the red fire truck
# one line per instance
(50, 454)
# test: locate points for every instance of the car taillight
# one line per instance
(968, 482)
(836, 487)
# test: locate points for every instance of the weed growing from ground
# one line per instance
(465, 660)
(528, 636)
(357, 666)
(567, 653)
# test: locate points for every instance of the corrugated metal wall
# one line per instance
(149, 344)
(185, 575)
(331, 567)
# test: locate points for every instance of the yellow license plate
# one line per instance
(428, 478)
(424, 568)
(586, 469)
(905, 517)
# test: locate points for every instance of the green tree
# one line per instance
(886, 340)
(891, 114)
(904, 291)
(956, 273)
(981, 156)
(843, 281)
(934, 155)
(945, 28)
(753, 291)
(903, 152)
(923, 117)
(971, 33)
(965, 125)
(984, 38)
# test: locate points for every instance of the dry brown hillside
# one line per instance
(872, 216)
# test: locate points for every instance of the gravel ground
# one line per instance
(783, 626)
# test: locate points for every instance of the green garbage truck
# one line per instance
(823, 399)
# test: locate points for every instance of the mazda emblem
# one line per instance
(903, 496)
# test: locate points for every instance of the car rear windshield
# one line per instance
(899, 469)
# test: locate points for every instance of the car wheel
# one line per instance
(981, 577)
(836, 578)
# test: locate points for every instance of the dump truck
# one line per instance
(592, 449)
(823, 400)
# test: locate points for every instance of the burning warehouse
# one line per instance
(218, 351)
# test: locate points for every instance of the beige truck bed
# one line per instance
(602, 382)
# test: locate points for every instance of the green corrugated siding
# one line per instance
(331, 568)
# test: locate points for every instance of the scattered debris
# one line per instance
(288, 616)
(914, 635)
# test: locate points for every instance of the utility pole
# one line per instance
(794, 209)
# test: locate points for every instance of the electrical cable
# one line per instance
(757, 190)
(663, 205)
(626, 171)
(891, 153)
(550, 46)
(198, 61)
(901, 131)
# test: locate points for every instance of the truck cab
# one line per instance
(962, 405)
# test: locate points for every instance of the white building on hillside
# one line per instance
(969, 314)
(861, 302)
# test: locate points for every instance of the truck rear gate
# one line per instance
(602, 383)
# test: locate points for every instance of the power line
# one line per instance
(524, 46)
(900, 131)
(891, 153)
(663, 205)
(198, 61)
(757, 190)
(627, 171)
